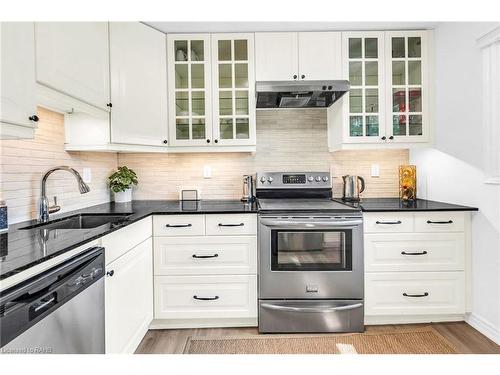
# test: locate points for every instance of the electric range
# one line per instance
(310, 256)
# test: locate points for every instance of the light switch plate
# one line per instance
(375, 170)
(87, 175)
(207, 171)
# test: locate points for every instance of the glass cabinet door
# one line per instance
(189, 90)
(363, 66)
(406, 79)
(233, 89)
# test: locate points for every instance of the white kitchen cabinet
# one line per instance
(388, 103)
(205, 297)
(276, 56)
(233, 91)
(233, 255)
(138, 70)
(129, 298)
(17, 80)
(189, 89)
(320, 56)
(417, 266)
(73, 58)
(407, 93)
(297, 56)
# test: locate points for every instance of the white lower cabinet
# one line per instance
(207, 255)
(417, 267)
(202, 297)
(129, 298)
(415, 293)
(205, 269)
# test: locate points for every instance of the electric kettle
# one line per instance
(353, 186)
(248, 189)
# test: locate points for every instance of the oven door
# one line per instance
(311, 257)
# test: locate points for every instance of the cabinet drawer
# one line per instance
(205, 255)
(388, 222)
(192, 297)
(440, 222)
(415, 293)
(231, 224)
(179, 225)
(415, 252)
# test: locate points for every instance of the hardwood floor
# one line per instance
(466, 339)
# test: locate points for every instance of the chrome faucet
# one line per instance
(45, 209)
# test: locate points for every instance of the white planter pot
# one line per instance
(123, 196)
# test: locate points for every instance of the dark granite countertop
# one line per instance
(21, 249)
(395, 204)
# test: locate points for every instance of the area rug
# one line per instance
(423, 340)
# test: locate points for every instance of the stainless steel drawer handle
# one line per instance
(416, 295)
(206, 298)
(389, 222)
(178, 225)
(311, 309)
(418, 253)
(231, 225)
(439, 222)
(205, 256)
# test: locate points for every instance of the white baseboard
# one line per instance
(485, 327)
(202, 323)
(409, 319)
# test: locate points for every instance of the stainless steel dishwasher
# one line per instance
(58, 311)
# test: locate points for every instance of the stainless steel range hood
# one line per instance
(299, 94)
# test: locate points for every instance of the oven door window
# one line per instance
(297, 250)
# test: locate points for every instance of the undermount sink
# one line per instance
(82, 221)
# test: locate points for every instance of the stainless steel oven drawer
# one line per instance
(281, 316)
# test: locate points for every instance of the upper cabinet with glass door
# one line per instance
(189, 90)
(233, 89)
(387, 103)
(363, 65)
(408, 91)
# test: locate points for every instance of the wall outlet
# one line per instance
(207, 171)
(375, 170)
(87, 175)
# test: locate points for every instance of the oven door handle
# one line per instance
(310, 224)
(311, 309)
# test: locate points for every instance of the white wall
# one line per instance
(453, 171)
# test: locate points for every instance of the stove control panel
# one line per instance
(287, 180)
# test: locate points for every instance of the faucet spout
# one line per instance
(44, 208)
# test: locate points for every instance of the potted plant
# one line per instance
(120, 183)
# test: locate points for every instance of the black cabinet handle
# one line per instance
(383, 138)
(391, 137)
(205, 256)
(178, 225)
(109, 105)
(34, 118)
(388, 222)
(295, 76)
(110, 273)
(165, 141)
(302, 76)
(440, 222)
(416, 295)
(206, 298)
(420, 253)
(208, 140)
(231, 225)
(216, 141)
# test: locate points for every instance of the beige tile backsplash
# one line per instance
(288, 140)
(23, 163)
